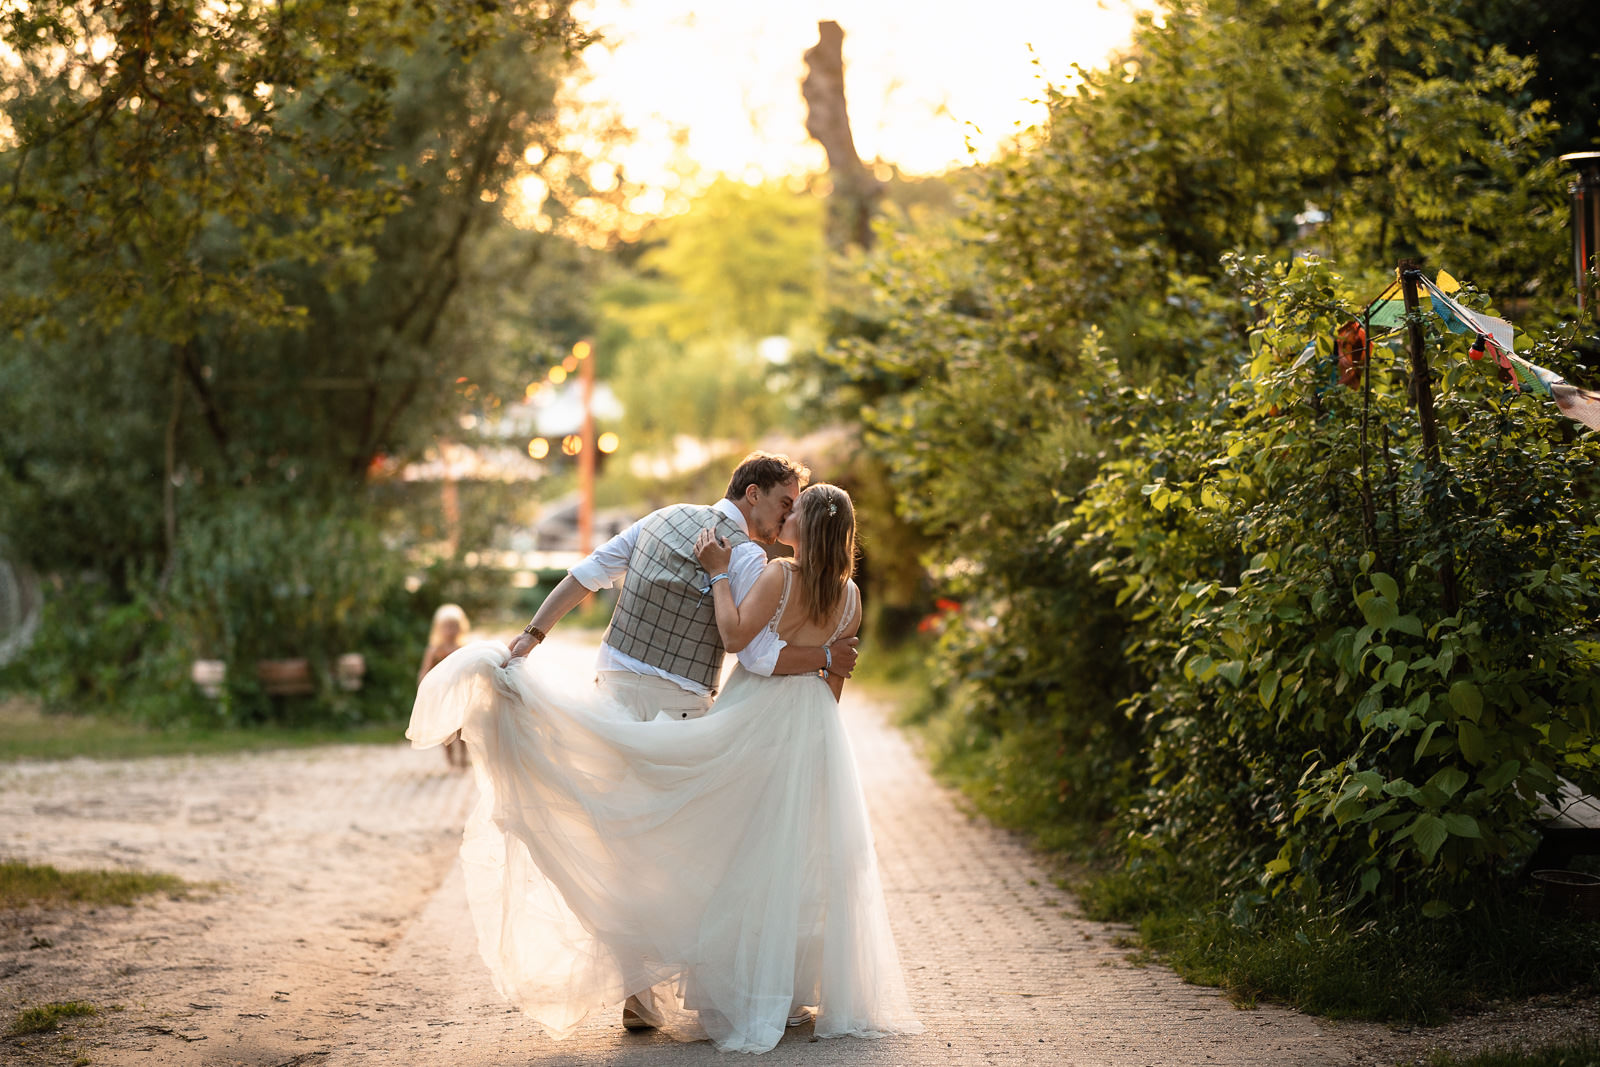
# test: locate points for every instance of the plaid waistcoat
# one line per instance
(662, 616)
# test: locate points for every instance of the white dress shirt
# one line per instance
(603, 567)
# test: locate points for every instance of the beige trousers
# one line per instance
(647, 696)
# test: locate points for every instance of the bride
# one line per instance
(724, 863)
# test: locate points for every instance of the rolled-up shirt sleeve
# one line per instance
(760, 656)
(602, 568)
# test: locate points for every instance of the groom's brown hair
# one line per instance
(765, 470)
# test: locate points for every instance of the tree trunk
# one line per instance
(855, 190)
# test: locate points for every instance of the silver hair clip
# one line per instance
(833, 509)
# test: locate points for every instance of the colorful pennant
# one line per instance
(1493, 334)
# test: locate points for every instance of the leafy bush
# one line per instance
(98, 651)
(1362, 670)
(264, 579)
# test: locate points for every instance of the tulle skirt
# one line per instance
(725, 862)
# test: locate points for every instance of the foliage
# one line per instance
(267, 579)
(1189, 625)
(258, 578)
(1400, 965)
(685, 324)
(97, 650)
(1578, 1052)
(1360, 671)
(256, 248)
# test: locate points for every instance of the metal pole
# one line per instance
(1585, 194)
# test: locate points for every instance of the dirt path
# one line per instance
(339, 934)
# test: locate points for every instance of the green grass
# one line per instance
(25, 884)
(1399, 967)
(47, 1017)
(26, 733)
(1584, 1052)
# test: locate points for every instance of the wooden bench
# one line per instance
(1570, 827)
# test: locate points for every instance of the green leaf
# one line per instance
(1386, 587)
(1500, 777)
(1422, 742)
(1467, 699)
(1462, 825)
(1379, 612)
(1449, 780)
(1436, 909)
(1429, 834)
(1408, 624)
(1470, 738)
(1277, 866)
(1268, 689)
(1232, 670)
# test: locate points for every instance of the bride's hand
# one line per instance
(712, 551)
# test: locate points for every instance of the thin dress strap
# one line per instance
(783, 601)
(844, 616)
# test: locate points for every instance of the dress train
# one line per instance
(726, 861)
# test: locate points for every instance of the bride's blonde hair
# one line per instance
(444, 614)
(827, 555)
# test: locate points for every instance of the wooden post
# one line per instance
(584, 350)
(1421, 381)
(1421, 384)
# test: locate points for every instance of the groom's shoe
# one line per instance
(635, 1016)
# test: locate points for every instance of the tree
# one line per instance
(743, 264)
(253, 226)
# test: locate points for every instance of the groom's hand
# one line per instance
(844, 657)
(522, 646)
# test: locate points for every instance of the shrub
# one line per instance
(1362, 669)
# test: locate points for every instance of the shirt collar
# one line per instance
(731, 510)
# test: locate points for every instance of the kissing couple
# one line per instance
(703, 859)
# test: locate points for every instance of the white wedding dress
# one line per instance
(726, 862)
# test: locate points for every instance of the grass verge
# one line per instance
(1584, 1052)
(26, 733)
(25, 884)
(47, 1017)
(1397, 966)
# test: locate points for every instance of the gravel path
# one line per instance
(337, 931)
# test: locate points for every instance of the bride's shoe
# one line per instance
(636, 1017)
(802, 1017)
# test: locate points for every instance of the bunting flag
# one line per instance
(1498, 331)
(1578, 404)
(1532, 378)
(1388, 312)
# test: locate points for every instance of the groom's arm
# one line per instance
(598, 570)
(813, 658)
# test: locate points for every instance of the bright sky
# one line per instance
(922, 77)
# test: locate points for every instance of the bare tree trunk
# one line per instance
(855, 191)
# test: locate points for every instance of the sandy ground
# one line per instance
(336, 932)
